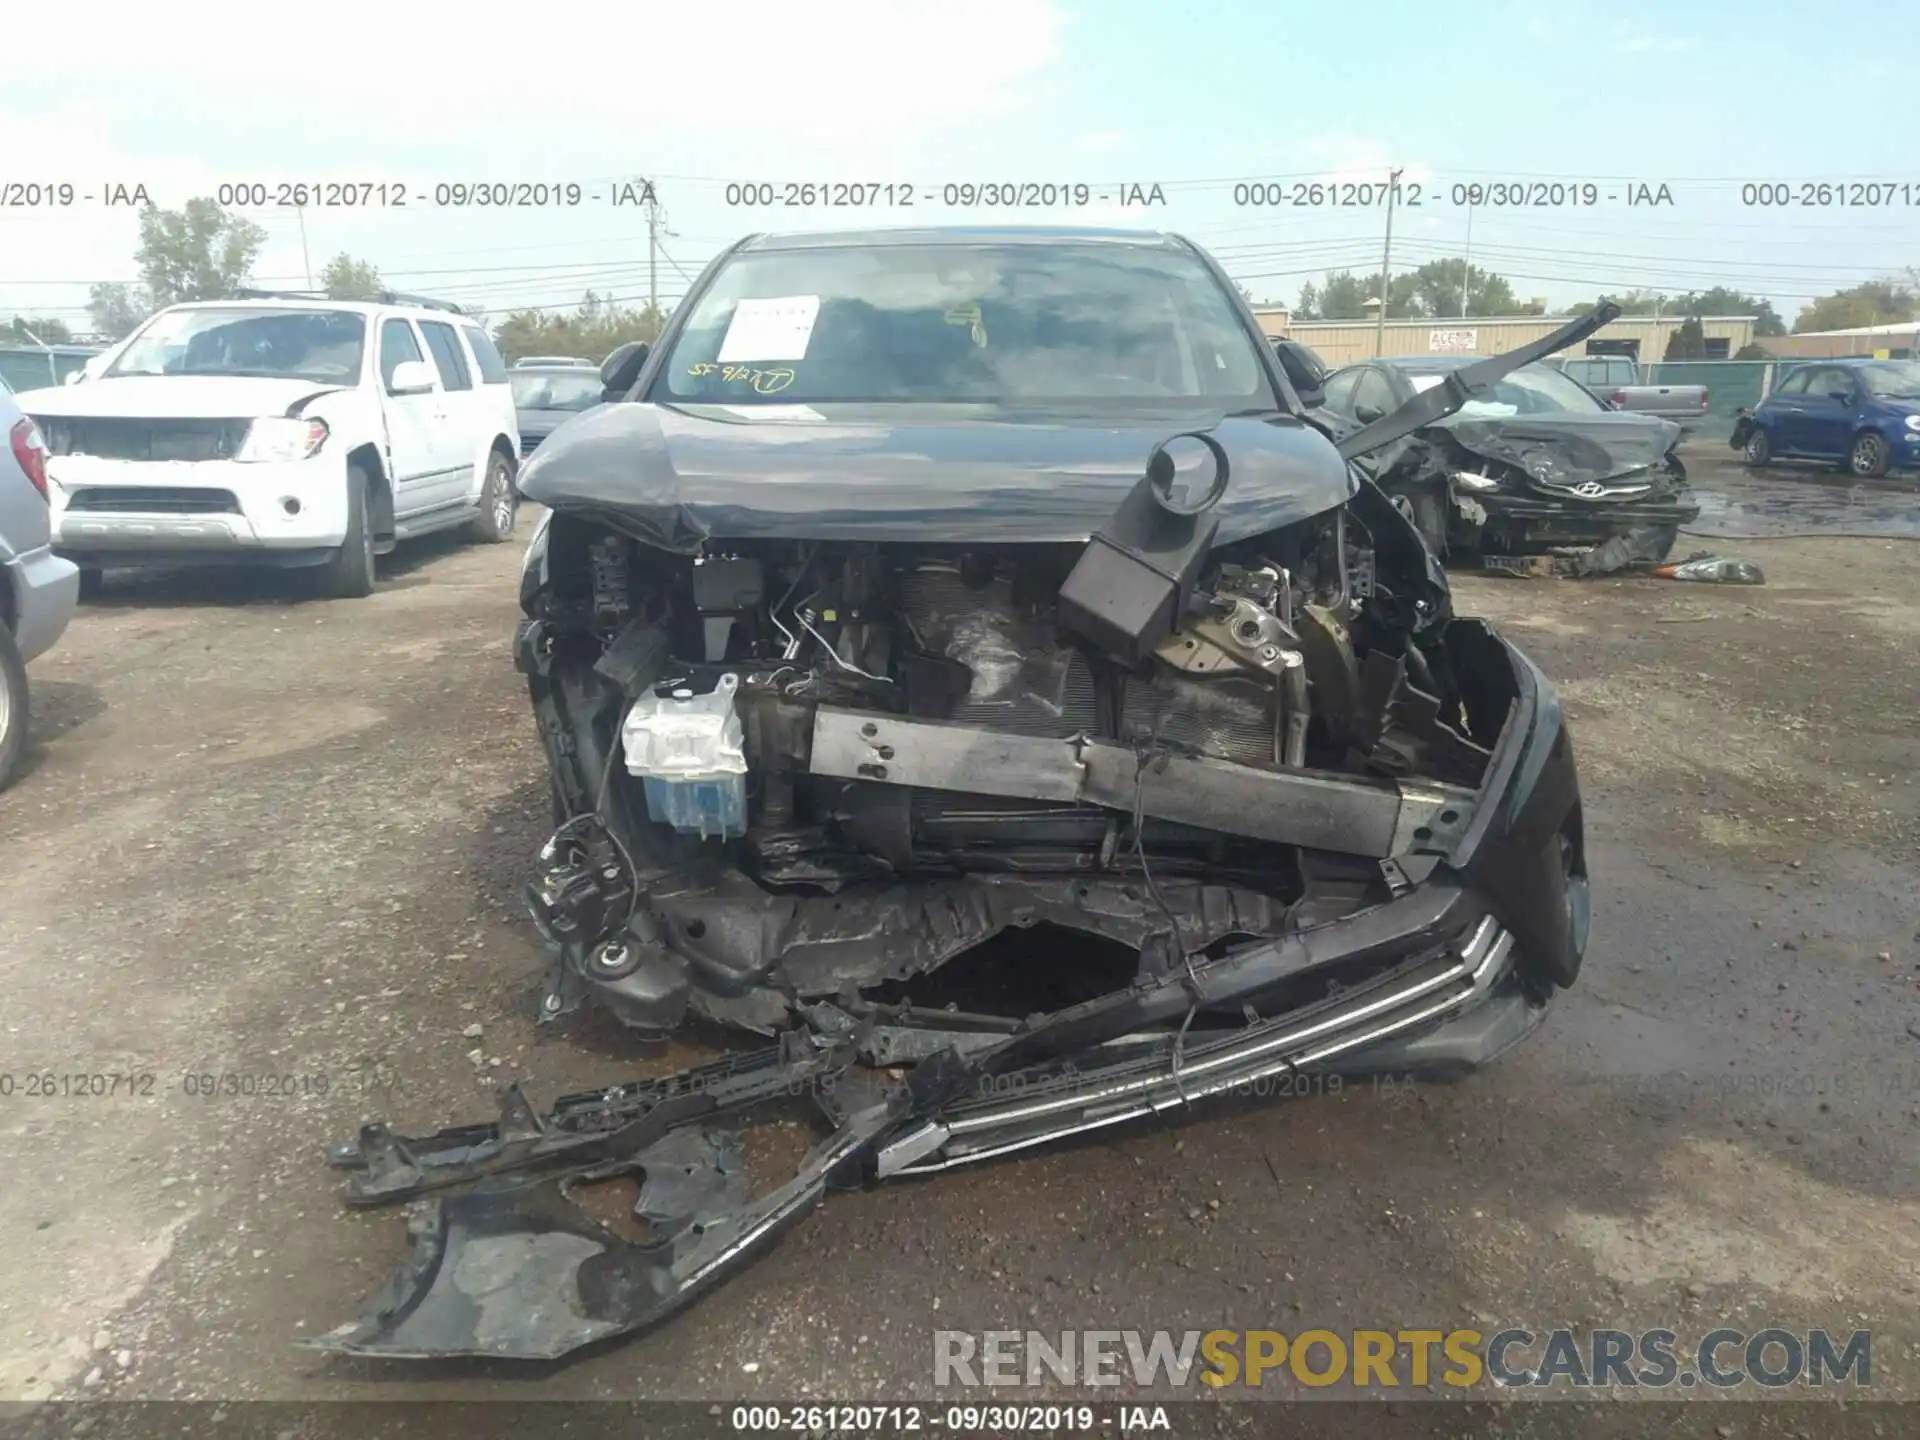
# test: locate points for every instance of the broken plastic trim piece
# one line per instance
(1083, 1098)
(582, 1129)
(512, 1268)
(1376, 819)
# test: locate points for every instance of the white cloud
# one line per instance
(401, 77)
(837, 90)
(1343, 158)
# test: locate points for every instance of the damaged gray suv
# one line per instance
(963, 659)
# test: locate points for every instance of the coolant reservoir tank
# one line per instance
(688, 749)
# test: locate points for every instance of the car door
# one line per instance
(1816, 414)
(1337, 393)
(1828, 422)
(1373, 396)
(458, 435)
(412, 422)
(1784, 411)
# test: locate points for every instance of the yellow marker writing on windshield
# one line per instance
(765, 382)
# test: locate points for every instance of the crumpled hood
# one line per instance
(174, 397)
(933, 474)
(1558, 451)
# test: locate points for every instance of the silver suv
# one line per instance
(37, 588)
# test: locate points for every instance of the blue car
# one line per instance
(1862, 414)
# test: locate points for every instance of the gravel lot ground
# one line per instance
(266, 837)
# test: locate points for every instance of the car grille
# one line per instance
(154, 499)
(121, 439)
(528, 441)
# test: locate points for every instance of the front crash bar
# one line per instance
(1378, 819)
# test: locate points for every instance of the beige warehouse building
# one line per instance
(1342, 342)
(1888, 342)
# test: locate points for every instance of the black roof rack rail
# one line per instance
(384, 297)
(396, 297)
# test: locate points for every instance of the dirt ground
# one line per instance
(262, 837)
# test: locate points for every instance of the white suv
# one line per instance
(292, 431)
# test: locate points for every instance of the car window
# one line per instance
(320, 345)
(571, 389)
(1024, 324)
(1824, 380)
(1374, 389)
(1894, 379)
(493, 369)
(397, 346)
(1794, 384)
(447, 358)
(1339, 390)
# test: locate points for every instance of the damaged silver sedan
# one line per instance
(963, 661)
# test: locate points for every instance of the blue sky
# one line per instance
(1704, 97)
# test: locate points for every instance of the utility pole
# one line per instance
(300, 212)
(653, 249)
(1466, 262)
(1386, 268)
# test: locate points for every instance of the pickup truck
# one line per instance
(1616, 380)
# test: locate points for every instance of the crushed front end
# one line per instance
(1514, 487)
(789, 775)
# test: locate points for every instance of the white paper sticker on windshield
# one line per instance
(775, 412)
(1423, 382)
(772, 329)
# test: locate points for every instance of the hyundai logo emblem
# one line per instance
(1590, 488)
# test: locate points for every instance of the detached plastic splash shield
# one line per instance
(515, 1269)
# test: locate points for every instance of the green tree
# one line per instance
(1721, 300)
(1346, 295)
(1877, 302)
(346, 278)
(198, 252)
(1689, 342)
(116, 309)
(1633, 302)
(1309, 306)
(44, 332)
(1438, 285)
(597, 327)
(1752, 351)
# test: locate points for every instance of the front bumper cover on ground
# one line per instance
(1457, 966)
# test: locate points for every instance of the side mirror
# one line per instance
(411, 377)
(74, 377)
(620, 369)
(1367, 414)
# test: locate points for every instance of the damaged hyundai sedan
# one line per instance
(962, 659)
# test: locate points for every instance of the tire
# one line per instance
(499, 504)
(1869, 456)
(348, 572)
(1759, 449)
(93, 583)
(13, 707)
